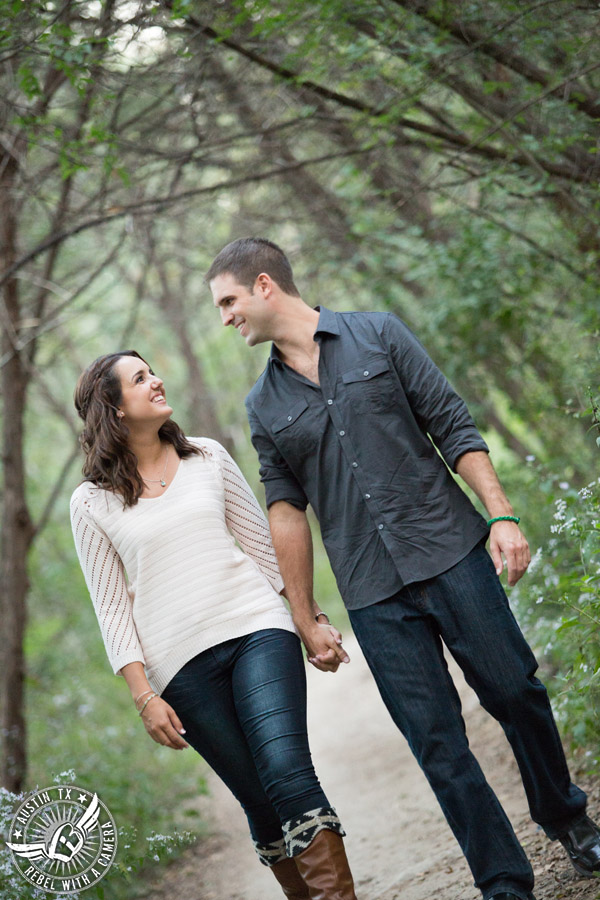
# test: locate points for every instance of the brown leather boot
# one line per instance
(324, 867)
(293, 885)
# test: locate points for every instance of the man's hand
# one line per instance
(324, 647)
(506, 538)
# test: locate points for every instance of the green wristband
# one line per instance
(516, 519)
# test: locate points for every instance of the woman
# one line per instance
(197, 627)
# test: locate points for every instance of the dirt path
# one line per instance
(398, 842)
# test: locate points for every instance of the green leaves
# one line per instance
(28, 81)
(492, 87)
(566, 580)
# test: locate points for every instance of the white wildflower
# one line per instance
(67, 775)
(561, 506)
(535, 560)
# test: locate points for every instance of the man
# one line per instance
(352, 416)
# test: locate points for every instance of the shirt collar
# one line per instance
(327, 321)
(327, 324)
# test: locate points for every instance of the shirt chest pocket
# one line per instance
(371, 386)
(295, 430)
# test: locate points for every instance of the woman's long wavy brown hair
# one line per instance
(109, 461)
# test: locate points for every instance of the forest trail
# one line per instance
(398, 842)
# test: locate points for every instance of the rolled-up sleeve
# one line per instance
(279, 480)
(435, 404)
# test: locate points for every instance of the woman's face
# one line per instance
(143, 399)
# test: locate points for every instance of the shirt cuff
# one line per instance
(283, 490)
(453, 456)
(123, 659)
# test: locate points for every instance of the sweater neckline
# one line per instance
(160, 496)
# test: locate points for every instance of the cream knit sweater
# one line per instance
(188, 585)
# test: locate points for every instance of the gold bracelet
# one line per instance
(151, 697)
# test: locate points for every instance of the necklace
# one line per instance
(160, 481)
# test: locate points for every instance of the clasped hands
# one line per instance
(323, 646)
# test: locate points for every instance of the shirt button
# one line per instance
(380, 527)
(342, 433)
(367, 496)
(366, 372)
(355, 465)
(289, 418)
(329, 402)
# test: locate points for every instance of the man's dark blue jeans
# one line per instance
(401, 637)
(243, 705)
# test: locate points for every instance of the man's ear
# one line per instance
(264, 284)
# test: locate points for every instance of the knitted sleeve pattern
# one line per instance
(245, 518)
(105, 579)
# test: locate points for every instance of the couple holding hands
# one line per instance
(352, 417)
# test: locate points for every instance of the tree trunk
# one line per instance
(16, 528)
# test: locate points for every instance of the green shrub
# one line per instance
(560, 609)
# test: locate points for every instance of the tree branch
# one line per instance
(453, 138)
(159, 203)
(52, 321)
(477, 40)
(56, 491)
(484, 214)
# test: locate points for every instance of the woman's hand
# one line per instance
(163, 724)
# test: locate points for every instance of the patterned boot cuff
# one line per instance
(269, 854)
(301, 831)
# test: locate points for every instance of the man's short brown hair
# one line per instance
(247, 257)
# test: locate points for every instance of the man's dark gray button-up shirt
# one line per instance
(360, 447)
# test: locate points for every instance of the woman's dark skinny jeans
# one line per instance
(243, 706)
(401, 638)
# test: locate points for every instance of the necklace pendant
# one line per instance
(162, 483)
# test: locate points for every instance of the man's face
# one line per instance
(248, 311)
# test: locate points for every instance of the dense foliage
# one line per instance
(560, 603)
